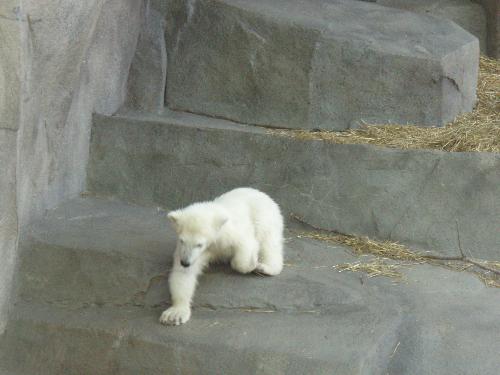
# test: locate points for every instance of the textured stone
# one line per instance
(467, 14)
(59, 62)
(128, 247)
(417, 197)
(90, 276)
(10, 83)
(317, 64)
(10, 88)
(8, 218)
(146, 81)
(483, 22)
(76, 58)
(310, 319)
(492, 8)
(224, 341)
(127, 256)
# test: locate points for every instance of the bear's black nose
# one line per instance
(185, 264)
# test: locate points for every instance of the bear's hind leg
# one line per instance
(271, 255)
(245, 257)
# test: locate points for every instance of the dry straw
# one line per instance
(366, 246)
(372, 269)
(399, 255)
(475, 131)
(487, 271)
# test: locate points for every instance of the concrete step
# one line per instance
(92, 283)
(317, 64)
(95, 252)
(418, 197)
(47, 340)
(310, 319)
(437, 336)
(98, 252)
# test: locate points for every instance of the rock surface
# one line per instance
(10, 87)
(480, 17)
(10, 71)
(91, 281)
(309, 319)
(492, 8)
(60, 61)
(466, 13)
(64, 82)
(8, 218)
(418, 197)
(317, 64)
(148, 71)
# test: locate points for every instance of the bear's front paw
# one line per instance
(175, 315)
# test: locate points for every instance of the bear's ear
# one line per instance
(220, 219)
(174, 216)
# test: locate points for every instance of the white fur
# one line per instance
(243, 227)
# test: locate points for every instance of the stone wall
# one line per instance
(9, 122)
(492, 8)
(76, 57)
(73, 58)
(8, 217)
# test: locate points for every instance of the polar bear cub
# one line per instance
(243, 226)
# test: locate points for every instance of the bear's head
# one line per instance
(198, 226)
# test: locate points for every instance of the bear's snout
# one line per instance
(185, 263)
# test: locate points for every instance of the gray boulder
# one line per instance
(317, 64)
(469, 15)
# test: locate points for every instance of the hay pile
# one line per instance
(390, 256)
(364, 245)
(476, 131)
